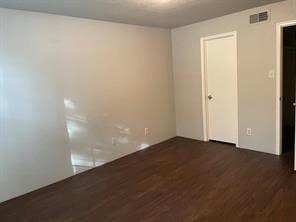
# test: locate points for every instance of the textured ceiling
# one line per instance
(159, 13)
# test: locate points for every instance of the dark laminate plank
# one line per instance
(178, 180)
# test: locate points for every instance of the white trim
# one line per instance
(204, 83)
(204, 89)
(279, 29)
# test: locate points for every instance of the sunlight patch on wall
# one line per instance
(144, 146)
(69, 104)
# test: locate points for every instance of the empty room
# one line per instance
(147, 110)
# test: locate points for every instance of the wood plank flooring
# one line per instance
(178, 180)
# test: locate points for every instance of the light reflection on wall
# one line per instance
(124, 133)
(143, 146)
(69, 104)
(88, 147)
(73, 128)
(85, 153)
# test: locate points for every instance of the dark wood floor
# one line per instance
(178, 180)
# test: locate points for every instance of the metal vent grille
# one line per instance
(260, 17)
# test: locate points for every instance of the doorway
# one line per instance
(285, 89)
(219, 87)
(288, 88)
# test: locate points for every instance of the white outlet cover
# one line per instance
(146, 131)
(271, 74)
(249, 131)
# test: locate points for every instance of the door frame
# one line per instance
(203, 40)
(279, 78)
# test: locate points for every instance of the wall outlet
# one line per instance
(146, 131)
(249, 131)
(271, 74)
(114, 141)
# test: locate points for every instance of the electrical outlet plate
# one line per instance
(146, 131)
(249, 131)
(271, 74)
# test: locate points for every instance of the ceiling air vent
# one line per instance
(260, 17)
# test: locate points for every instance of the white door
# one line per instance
(221, 90)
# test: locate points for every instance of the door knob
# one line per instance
(210, 97)
(294, 104)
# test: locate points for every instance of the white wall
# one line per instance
(256, 56)
(68, 85)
